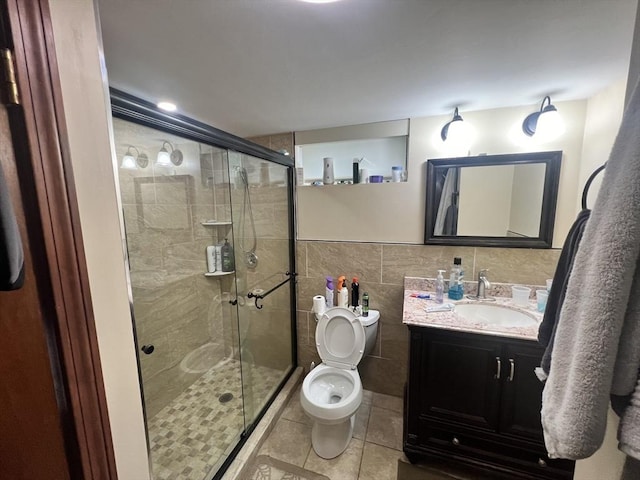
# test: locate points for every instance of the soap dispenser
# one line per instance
(440, 287)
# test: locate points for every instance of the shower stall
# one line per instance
(209, 234)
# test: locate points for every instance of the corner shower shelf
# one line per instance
(218, 274)
(214, 223)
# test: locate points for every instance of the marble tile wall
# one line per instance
(380, 269)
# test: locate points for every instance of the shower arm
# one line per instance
(265, 294)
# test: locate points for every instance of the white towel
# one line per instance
(601, 302)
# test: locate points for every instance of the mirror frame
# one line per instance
(552, 160)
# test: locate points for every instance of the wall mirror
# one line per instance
(492, 200)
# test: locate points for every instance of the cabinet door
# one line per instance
(460, 380)
(522, 392)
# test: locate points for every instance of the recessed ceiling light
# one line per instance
(168, 106)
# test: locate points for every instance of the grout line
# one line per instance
(381, 261)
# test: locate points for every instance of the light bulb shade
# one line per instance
(550, 126)
(545, 124)
(128, 162)
(457, 135)
(163, 159)
(166, 159)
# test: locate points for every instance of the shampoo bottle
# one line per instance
(343, 294)
(440, 287)
(329, 292)
(355, 292)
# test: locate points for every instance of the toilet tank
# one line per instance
(370, 324)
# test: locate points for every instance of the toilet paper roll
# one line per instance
(319, 304)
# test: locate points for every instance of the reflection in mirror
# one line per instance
(502, 200)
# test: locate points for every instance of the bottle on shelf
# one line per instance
(227, 257)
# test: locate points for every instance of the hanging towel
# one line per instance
(11, 253)
(602, 295)
(547, 329)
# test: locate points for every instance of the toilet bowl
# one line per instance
(332, 392)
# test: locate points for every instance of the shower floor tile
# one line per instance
(189, 437)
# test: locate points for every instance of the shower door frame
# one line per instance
(133, 109)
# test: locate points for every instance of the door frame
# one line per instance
(40, 122)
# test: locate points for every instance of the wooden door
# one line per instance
(53, 414)
(32, 441)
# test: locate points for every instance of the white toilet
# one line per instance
(332, 392)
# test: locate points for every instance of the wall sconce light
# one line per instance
(457, 135)
(165, 159)
(450, 128)
(130, 163)
(545, 124)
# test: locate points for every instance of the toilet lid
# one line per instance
(340, 338)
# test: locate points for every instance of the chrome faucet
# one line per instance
(483, 284)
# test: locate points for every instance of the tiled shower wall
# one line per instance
(380, 269)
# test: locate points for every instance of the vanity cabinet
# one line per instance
(475, 399)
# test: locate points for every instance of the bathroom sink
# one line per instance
(495, 315)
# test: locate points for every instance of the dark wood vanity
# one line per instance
(474, 399)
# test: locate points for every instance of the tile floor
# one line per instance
(372, 454)
(189, 437)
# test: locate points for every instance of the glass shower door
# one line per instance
(186, 329)
(261, 227)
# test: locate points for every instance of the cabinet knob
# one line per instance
(542, 463)
(148, 349)
(455, 441)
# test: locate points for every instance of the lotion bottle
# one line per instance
(343, 294)
(440, 287)
(329, 292)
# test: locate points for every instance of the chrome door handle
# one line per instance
(498, 369)
(512, 369)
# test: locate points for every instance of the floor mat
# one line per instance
(268, 468)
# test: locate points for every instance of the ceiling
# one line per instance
(254, 67)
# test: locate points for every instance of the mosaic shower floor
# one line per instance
(190, 436)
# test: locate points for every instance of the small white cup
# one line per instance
(549, 282)
(520, 295)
